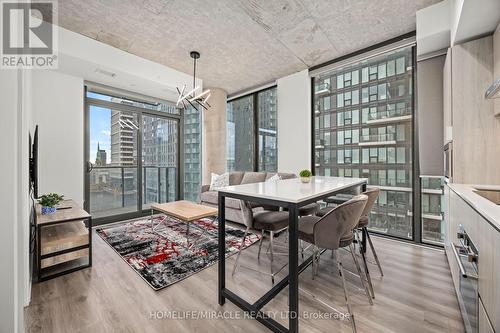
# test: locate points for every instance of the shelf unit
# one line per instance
(64, 240)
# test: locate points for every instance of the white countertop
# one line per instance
(293, 190)
(484, 207)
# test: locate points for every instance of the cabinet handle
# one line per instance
(461, 266)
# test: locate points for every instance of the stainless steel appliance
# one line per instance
(448, 161)
(467, 257)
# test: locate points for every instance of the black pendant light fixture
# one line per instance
(194, 99)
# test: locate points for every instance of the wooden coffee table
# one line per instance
(184, 212)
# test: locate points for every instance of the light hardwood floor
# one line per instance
(415, 295)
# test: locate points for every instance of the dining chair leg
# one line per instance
(374, 252)
(361, 276)
(302, 249)
(318, 257)
(346, 294)
(367, 272)
(260, 243)
(271, 238)
(315, 262)
(241, 249)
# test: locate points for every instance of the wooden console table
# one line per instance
(64, 240)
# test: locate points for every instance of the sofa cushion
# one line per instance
(219, 181)
(253, 177)
(270, 174)
(212, 197)
(274, 178)
(285, 175)
(235, 177)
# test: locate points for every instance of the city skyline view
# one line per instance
(114, 150)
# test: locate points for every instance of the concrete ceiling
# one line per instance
(242, 43)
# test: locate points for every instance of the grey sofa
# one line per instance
(237, 210)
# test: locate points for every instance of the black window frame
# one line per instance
(255, 114)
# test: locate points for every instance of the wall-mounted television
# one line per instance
(33, 160)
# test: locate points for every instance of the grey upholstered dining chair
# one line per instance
(270, 220)
(333, 231)
(372, 193)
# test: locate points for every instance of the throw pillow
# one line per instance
(274, 178)
(219, 181)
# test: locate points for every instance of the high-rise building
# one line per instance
(123, 138)
(363, 128)
(159, 158)
(101, 156)
(124, 128)
(251, 134)
(192, 153)
(268, 125)
(241, 143)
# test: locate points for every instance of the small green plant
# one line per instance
(50, 200)
(305, 173)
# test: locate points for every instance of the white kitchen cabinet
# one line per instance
(487, 240)
(484, 323)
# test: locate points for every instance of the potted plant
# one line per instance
(49, 202)
(305, 176)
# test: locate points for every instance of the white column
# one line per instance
(294, 122)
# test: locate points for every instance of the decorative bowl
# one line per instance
(48, 210)
(305, 179)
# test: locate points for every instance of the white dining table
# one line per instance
(290, 194)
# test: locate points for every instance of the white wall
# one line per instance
(8, 201)
(14, 199)
(58, 104)
(294, 122)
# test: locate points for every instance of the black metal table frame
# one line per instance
(40, 257)
(291, 280)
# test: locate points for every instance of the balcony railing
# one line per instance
(114, 189)
(322, 88)
(374, 139)
(389, 115)
(433, 224)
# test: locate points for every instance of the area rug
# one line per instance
(163, 257)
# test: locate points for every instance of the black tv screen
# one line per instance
(34, 163)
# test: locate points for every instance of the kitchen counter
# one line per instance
(487, 209)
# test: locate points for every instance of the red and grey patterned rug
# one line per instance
(164, 257)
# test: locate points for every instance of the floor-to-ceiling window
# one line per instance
(251, 136)
(134, 154)
(363, 127)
